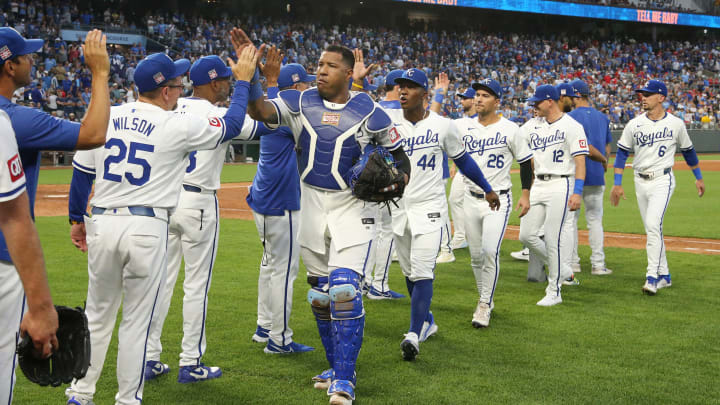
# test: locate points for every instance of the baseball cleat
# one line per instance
(78, 401)
(664, 281)
(191, 374)
(650, 287)
(550, 300)
(481, 317)
(261, 335)
(322, 381)
(445, 257)
(375, 294)
(154, 369)
(293, 347)
(429, 328)
(410, 346)
(600, 271)
(576, 267)
(341, 392)
(571, 281)
(521, 255)
(458, 244)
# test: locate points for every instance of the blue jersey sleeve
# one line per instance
(80, 187)
(37, 130)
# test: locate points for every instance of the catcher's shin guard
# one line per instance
(320, 303)
(348, 321)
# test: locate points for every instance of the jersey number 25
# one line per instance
(132, 159)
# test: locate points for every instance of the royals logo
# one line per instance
(158, 77)
(330, 118)
(15, 168)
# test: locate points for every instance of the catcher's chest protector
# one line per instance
(328, 148)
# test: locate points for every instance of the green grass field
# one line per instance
(607, 342)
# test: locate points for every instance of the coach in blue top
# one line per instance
(597, 131)
(275, 200)
(34, 131)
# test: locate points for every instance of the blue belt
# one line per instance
(478, 195)
(134, 210)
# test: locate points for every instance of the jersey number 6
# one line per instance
(132, 159)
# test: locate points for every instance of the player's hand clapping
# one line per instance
(271, 68)
(493, 199)
(95, 53)
(244, 69)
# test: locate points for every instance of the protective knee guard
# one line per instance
(348, 321)
(319, 300)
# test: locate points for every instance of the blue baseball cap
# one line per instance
(544, 92)
(367, 86)
(293, 73)
(13, 44)
(581, 88)
(566, 89)
(468, 93)
(416, 76)
(654, 86)
(490, 85)
(392, 76)
(207, 69)
(157, 69)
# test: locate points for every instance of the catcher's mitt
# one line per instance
(70, 360)
(374, 171)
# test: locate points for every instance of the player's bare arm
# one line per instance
(596, 155)
(576, 199)
(40, 321)
(442, 83)
(94, 126)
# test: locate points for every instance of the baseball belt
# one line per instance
(652, 175)
(478, 195)
(546, 177)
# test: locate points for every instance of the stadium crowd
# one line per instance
(613, 69)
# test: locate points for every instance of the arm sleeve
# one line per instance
(272, 92)
(235, 116)
(470, 169)
(620, 158)
(37, 130)
(526, 174)
(691, 157)
(80, 188)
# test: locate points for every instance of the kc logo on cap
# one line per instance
(158, 78)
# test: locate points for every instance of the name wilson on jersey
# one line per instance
(429, 140)
(137, 124)
(479, 145)
(538, 142)
(642, 139)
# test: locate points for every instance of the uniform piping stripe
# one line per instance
(387, 265)
(438, 251)
(287, 278)
(17, 339)
(562, 222)
(497, 251)
(209, 277)
(11, 192)
(83, 168)
(367, 255)
(662, 219)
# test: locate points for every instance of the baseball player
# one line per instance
(332, 125)
(34, 131)
(275, 200)
(654, 138)
(419, 220)
(493, 142)
(137, 186)
(378, 288)
(559, 147)
(597, 131)
(26, 273)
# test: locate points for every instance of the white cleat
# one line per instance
(601, 271)
(481, 317)
(410, 346)
(650, 287)
(664, 281)
(339, 399)
(445, 257)
(521, 255)
(458, 244)
(550, 300)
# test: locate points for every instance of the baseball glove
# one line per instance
(70, 360)
(376, 170)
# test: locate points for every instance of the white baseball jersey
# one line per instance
(654, 142)
(424, 204)
(142, 148)
(204, 166)
(554, 145)
(12, 177)
(493, 147)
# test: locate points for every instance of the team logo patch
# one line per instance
(394, 135)
(158, 77)
(368, 221)
(213, 74)
(5, 53)
(215, 122)
(329, 118)
(433, 215)
(295, 77)
(583, 143)
(15, 168)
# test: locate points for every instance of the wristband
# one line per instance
(439, 97)
(256, 90)
(697, 173)
(74, 222)
(618, 179)
(357, 86)
(579, 184)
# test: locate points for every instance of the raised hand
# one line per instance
(244, 69)
(442, 82)
(271, 68)
(359, 70)
(95, 52)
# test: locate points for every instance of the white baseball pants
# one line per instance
(381, 255)
(455, 204)
(417, 253)
(12, 303)
(593, 199)
(653, 198)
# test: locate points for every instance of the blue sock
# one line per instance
(410, 285)
(420, 304)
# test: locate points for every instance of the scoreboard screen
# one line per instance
(584, 10)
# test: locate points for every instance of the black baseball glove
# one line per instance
(70, 360)
(376, 170)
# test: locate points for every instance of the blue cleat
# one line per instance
(294, 347)
(322, 381)
(375, 294)
(191, 374)
(154, 369)
(664, 281)
(261, 335)
(341, 392)
(77, 401)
